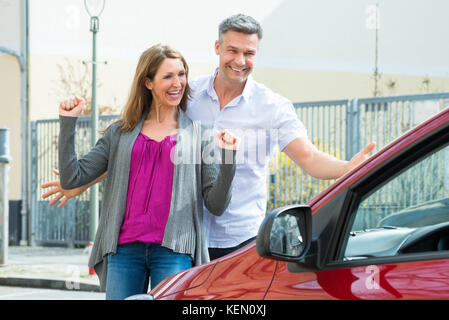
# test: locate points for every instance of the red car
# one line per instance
(379, 232)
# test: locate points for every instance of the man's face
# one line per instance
(237, 53)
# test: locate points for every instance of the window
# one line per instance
(408, 214)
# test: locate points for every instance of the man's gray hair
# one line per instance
(239, 23)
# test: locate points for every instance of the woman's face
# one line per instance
(169, 83)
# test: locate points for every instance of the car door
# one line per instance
(385, 235)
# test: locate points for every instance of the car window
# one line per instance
(408, 214)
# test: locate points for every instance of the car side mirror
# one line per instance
(285, 233)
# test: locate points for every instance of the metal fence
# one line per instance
(340, 128)
(326, 123)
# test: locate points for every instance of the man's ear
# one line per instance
(148, 84)
(217, 47)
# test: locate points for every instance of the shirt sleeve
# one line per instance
(287, 125)
(216, 180)
(76, 172)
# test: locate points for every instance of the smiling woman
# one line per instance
(167, 87)
(141, 97)
(151, 224)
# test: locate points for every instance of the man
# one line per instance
(230, 99)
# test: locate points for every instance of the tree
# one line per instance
(74, 80)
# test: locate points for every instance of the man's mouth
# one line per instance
(237, 70)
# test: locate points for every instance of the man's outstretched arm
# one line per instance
(320, 164)
(64, 194)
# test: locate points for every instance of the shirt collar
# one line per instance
(209, 87)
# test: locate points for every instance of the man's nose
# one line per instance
(240, 59)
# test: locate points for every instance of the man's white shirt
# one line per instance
(262, 119)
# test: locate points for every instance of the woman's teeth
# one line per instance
(174, 93)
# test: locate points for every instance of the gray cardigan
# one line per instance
(195, 178)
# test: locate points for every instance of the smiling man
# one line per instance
(237, 57)
(231, 99)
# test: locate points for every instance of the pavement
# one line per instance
(48, 267)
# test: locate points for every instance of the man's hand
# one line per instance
(226, 140)
(61, 193)
(72, 107)
(360, 157)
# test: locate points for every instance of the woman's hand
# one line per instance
(72, 107)
(226, 140)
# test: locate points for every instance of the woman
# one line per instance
(151, 221)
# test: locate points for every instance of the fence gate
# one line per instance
(68, 226)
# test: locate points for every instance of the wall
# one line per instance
(10, 106)
(311, 50)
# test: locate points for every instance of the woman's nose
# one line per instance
(176, 82)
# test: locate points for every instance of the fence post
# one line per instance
(271, 193)
(353, 129)
(33, 182)
(5, 158)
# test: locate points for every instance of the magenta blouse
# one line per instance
(149, 190)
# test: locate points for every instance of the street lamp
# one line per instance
(94, 8)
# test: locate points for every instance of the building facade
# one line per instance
(311, 50)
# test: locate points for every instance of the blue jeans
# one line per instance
(132, 265)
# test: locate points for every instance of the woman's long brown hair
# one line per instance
(140, 97)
